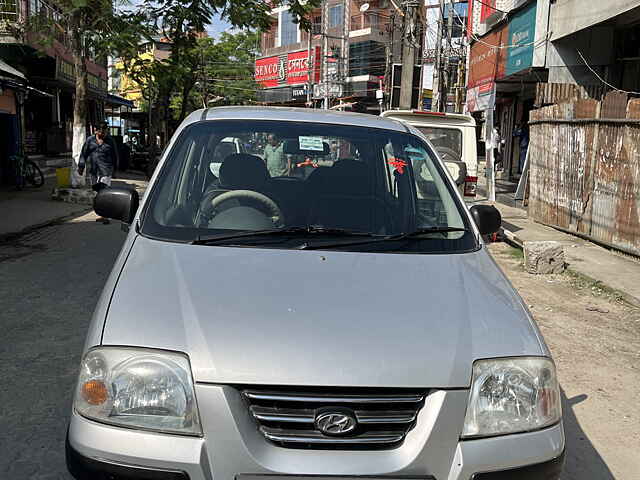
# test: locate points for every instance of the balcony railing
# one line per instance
(8, 11)
(373, 20)
(50, 13)
(268, 41)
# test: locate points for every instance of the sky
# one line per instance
(217, 27)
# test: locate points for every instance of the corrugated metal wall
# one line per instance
(585, 169)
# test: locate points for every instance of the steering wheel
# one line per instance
(262, 202)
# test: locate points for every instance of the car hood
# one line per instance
(290, 317)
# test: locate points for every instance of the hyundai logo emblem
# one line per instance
(336, 423)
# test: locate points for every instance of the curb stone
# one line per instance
(512, 239)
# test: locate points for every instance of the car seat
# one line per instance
(344, 197)
(239, 171)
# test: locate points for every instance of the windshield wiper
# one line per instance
(425, 231)
(292, 231)
(387, 238)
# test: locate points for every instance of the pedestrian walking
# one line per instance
(497, 149)
(275, 158)
(522, 132)
(100, 154)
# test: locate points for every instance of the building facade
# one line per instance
(340, 63)
(507, 59)
(595, 44)
(12, 94)
(518, 44)
(50, 76)
(155, 50)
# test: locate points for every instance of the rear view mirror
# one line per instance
(487, 218)
(117, 203)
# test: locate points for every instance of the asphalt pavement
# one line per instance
(50, 279)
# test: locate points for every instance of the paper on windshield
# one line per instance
(311, 143)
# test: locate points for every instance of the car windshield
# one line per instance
(224, 177)
(447, 141)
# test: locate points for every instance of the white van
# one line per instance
(454, 137)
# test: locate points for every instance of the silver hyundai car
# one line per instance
(321, 305)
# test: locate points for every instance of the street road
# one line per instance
(49, 282)
(50, 279)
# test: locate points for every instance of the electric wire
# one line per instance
(602, 79)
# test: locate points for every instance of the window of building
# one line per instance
(116, 80)
(336, 15)
(66, 70)
(288, 29)
(9, 10)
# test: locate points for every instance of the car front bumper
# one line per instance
(233, 449)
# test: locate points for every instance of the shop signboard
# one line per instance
(300, 92)
(327, 89)
(270, 71)
(487, 58)
(486, 64)
(522, 32)
(286, 69)
(481, 98)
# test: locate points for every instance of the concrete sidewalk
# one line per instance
(31, 208)
(616, 271)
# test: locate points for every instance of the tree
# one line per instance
(220, 71)
(94, 27)
(87, 28)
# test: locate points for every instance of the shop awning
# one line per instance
(119, 101)
(9, 70)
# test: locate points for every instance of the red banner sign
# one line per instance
(297, 68)
(487, 58)
(270, 71)
(488, 9)
(287, 69)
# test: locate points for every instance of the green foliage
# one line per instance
(225, 70)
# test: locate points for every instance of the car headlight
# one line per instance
(511, 395)
(138, 388)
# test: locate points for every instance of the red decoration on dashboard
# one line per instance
(398, 164)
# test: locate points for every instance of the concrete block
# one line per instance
(81, 196)
(544, 257)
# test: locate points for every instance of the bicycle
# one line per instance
(26, 171)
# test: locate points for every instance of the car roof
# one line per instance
(420, 117)
(290, 114)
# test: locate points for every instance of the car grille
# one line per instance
(289, 417)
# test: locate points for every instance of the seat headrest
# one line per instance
(350, 176)
(243, 171)
(224, 149)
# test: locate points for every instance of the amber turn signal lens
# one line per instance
(94, 392)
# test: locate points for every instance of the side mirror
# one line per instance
(487, 218)
(117, 203)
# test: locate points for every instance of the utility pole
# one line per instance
(460, 84)
(325, 54)
(411, 37)
(309, 67)
(447, 64)
(344, 44)
(437, 77)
